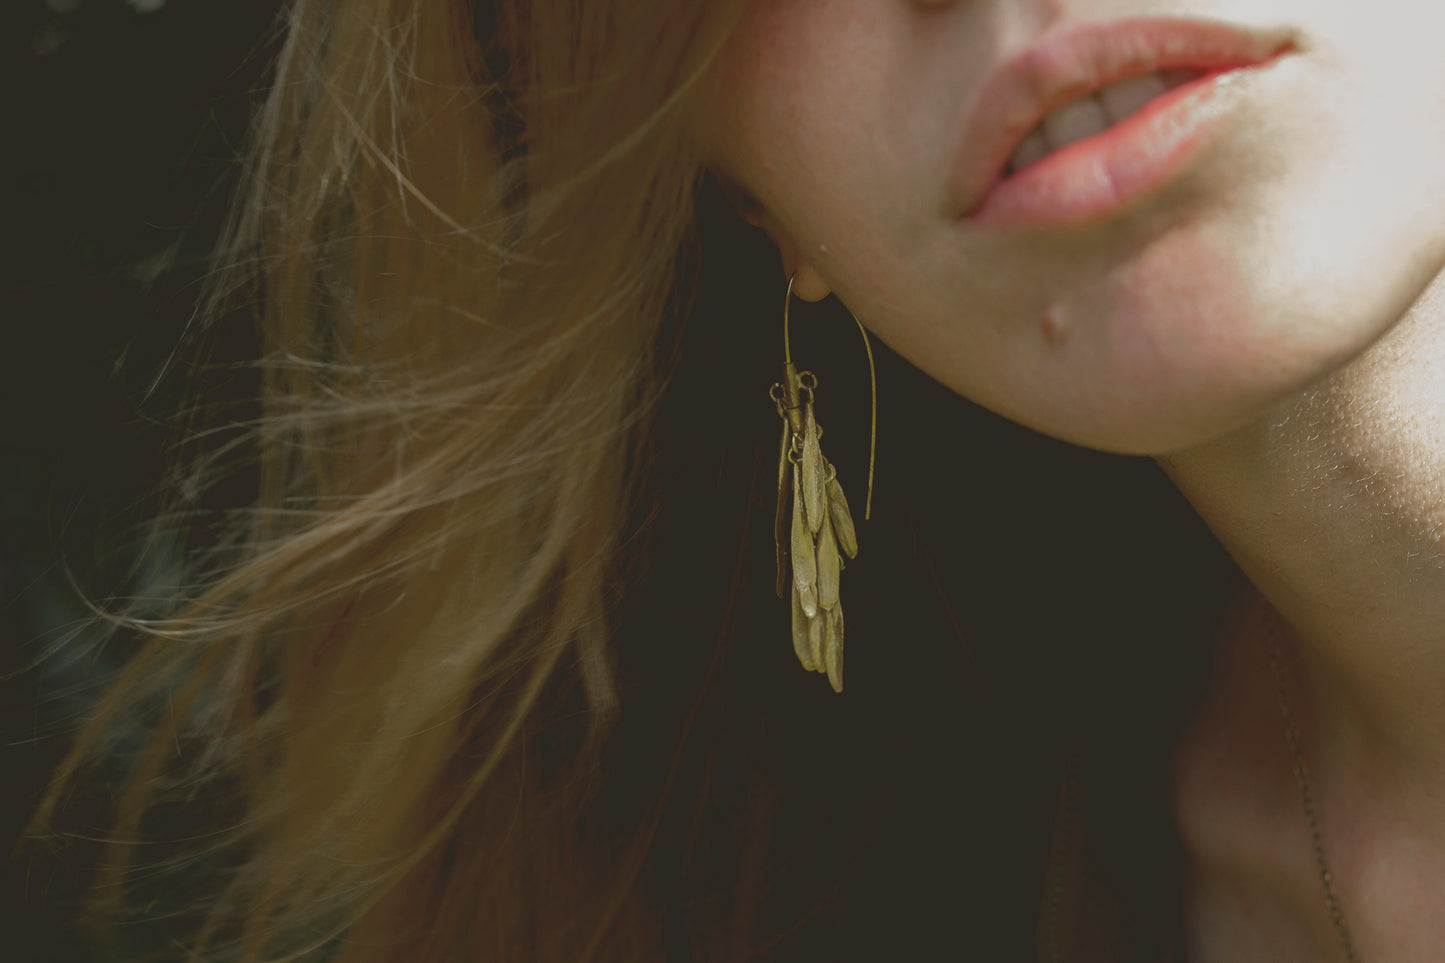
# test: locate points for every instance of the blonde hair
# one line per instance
(461, 235)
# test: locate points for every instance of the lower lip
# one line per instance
(1099, 177)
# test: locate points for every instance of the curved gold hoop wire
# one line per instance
(872, 387)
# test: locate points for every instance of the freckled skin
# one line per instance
(1280, 252)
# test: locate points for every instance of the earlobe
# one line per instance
(808, 284)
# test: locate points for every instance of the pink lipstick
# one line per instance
(1095, 176)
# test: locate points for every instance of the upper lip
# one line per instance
(1077, 59)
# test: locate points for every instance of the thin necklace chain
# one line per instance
(1301, 777)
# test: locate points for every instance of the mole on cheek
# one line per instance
(1053, 328)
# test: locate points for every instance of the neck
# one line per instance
(1334, 506)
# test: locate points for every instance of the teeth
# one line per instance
(1127, 96)
(1035, 145)
(1084, 117)
(1095, 113)
(1174, 76)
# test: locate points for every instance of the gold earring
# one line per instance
(813, 525)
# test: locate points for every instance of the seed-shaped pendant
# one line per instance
(832, 620)
(805, 573)
(780, 517)
(802, 648)
(842, 519)
(814, 497)
(817, 640)
(828, 567)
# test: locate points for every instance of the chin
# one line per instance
(1177, 426)
(1180, 366)
(1155, 426)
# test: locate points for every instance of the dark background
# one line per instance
(122, 126)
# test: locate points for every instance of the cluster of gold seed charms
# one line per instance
(812, 529)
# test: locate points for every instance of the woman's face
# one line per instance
(1143, 290)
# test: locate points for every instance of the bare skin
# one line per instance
(1333, 506)
(1271, 327)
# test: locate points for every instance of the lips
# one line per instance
(1080, 59)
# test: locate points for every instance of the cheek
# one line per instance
(764, 97)
(797, 111)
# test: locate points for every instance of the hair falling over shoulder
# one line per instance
(460, 236)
